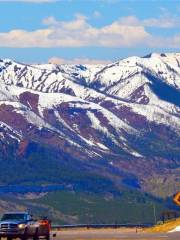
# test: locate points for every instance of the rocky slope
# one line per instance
(86, 126)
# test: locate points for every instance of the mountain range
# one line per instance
(100, 128)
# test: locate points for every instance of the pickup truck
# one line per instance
(21, 225)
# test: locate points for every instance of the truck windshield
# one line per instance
(14, 217)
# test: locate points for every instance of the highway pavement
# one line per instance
(112, 234)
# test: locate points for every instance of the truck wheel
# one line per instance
(24, 237)
(48, 237)
(36, 236)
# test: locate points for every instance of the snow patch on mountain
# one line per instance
(99, 92)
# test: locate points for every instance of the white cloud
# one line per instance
(168, 42)
(58, 60)
(75, 33)
(130, 21)
(163, 22)
(125, 32)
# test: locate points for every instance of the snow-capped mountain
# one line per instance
(120, 120)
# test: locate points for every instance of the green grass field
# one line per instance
(130, 207)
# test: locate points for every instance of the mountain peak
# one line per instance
(101, 116)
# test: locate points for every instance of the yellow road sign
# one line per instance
(176, 198)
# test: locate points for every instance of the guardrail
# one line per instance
(58, 227)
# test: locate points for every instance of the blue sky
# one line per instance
(87, 30)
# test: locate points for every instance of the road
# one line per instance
(112, 234)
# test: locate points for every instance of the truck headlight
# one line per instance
(22, 225)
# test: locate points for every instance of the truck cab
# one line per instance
(21, 225)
